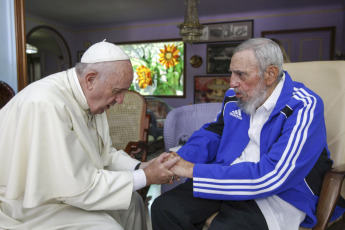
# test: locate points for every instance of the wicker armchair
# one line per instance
(183, 121)
(180, 124)
(128, 128)
(128, 125)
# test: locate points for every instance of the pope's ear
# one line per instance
(90, 79)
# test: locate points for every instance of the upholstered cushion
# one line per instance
(327, 79)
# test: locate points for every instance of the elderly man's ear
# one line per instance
(271, 74)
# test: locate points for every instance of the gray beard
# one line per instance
(249, 107)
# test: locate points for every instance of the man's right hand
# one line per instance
(158, 171)
(182, 168)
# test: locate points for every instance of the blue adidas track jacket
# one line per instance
(293, 152)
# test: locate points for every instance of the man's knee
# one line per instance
(157, 204)
(135, 216)
(74, 218)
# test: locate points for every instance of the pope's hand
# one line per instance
(157, 171)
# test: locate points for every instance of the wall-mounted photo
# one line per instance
(219, 57)
(227, 31)
(210, 88)
(158, 67)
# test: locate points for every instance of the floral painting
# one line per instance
(158, 67)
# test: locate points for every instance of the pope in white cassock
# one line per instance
(58, 169)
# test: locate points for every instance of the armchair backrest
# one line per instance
(127, 121)
(6, 93)
(327, 79)
(181, 122)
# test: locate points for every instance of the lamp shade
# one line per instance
(30, 49)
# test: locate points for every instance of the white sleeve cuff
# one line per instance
(139, 179)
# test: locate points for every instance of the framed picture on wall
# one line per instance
(158, 67)
(227, 31)
(219, 57)
(210, 88)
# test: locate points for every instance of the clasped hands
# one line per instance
(166, 168)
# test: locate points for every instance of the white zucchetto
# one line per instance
(102, 52)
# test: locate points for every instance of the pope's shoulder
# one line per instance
(50, 89)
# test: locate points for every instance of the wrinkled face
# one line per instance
(108, 90)
(249, 87)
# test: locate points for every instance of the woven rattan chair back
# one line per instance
(128, 122)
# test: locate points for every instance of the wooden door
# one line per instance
(316, 44)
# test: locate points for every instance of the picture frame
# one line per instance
(209, 89)
(158, 67)
(79, 55)
(227, 31)
(219, 57)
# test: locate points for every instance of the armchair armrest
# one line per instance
(135, 147)
(330, 192)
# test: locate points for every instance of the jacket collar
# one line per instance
(285, 95)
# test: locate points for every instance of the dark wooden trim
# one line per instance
(19, 12)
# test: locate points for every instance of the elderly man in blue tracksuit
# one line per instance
(260, 164)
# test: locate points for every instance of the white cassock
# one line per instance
(57, 167)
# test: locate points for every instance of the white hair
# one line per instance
(266, 52)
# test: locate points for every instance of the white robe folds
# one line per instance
(52, 150)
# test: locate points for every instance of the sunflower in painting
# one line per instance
(169, 56)
(144, 76)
